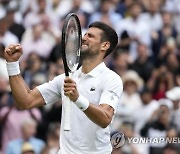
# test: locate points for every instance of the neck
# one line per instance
(89, 64)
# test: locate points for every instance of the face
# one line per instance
(130, 87)
(164, 114)
(135, 11)
(37, 31)
(146, 97)
(3, 26)
(105, 6)
(29, 130)
(167, 18)
(42, 4)
(170, 151)
(142, 50)
(91, 43)
(154, 5)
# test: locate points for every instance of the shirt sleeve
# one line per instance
(51, 91)
(112, 91)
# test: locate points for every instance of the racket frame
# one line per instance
(63, 41)
(68, 71)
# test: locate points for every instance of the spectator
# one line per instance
(166, 35)
(174, 95)
(147, 109)
(158, 126)
(137, 29)
(123, 6)
(4, 97)
(168, 31)
(34, 65)
(106, 14)
(77, 8)
(41, 9)
(27, 148)
(3, 71)
(15, 28)
(130, 99)
(50, 114)
(170, 149)
(120, 62)
(36, 42)
(127, 128)
(12, 128)
(153, 15)
(56, 68)
(56, 51)
(55, 7)
(52, 139)
(143, 65)
(28, 128)
(6, 37)
(160, 81)
(27, 6)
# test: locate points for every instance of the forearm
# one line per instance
(99, 114)
(20, 91)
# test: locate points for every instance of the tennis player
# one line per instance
(95, 92)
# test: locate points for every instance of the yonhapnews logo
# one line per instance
(118, 139)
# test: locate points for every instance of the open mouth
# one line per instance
(84, 45)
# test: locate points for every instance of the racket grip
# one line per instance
(67, 114)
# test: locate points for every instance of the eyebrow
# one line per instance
(89, 34)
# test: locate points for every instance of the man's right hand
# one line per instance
(13, 52)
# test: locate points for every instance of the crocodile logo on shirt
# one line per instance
(93, 89)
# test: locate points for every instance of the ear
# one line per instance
(105, 46)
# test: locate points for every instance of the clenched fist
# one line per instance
(70, 89)
(13, 52)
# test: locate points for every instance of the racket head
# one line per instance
(71, 43)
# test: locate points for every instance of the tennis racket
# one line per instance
(71, 44)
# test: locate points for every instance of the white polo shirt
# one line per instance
(100, 86)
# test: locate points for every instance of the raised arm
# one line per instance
(24, 97)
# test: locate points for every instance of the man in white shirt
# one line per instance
(174, 95)
(137, 29)
(6, 37)
(95, 91)
(147, 109)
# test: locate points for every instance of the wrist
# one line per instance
(13, 68)
(82, 103)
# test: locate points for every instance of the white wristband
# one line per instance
(13, 68)
(82, 103)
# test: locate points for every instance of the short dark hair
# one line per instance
(109, 34)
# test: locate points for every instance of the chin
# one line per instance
(84, 50)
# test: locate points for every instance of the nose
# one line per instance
(84, 38)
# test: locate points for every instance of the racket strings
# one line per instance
(72, 44)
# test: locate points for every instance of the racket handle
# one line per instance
(67, 113)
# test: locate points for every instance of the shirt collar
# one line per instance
(97, 70)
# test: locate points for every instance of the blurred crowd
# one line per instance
(147, 58)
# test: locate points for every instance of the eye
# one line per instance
(90, 35)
